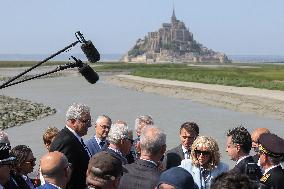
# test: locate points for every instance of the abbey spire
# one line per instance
(174, 19)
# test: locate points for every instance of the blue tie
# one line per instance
(102, 143)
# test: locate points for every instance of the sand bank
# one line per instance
(267, 103)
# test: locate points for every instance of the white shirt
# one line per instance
(242, 159)
(186, 153)
(266, 170)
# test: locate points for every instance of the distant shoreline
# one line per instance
(266, 103)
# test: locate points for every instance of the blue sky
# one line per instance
(246, 27)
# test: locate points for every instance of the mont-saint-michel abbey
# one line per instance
(173, 42)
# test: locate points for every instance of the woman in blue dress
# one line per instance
(204, 163)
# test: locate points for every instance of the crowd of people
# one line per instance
(113, 159)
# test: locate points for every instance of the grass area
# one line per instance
(14, 64)
(268, 76)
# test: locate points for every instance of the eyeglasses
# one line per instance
(204, 153)
(105, 126)
(32, 161)
(131, 140)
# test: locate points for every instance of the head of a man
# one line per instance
(152, 143)
(270, 150)
(78, 118)
(104, 171)
(232, 180)
(238, 143)
(188, 132)
(255, 137)
(25, 160)
(121, 137)
(55, 168)
(141, 122)
(49, 135)
(102, 125)
(176, 178)
(6, 162)
(4, 137)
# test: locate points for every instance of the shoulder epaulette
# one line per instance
(264, 177)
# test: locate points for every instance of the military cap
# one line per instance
(271, 144)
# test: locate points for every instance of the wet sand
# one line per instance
(266, 103)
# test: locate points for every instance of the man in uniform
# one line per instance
(270, 155)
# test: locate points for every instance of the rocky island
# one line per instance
(173, 42)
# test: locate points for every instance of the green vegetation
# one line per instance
(13, 64)
(268, 76)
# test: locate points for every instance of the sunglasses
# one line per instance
(32, 161)
(131, 140)
(204, 153)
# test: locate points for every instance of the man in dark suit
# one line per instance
(188, 133)
(270, 154)
(55, 169)
(69, 142)
(98, 142)
(144, 172)
(238, 148)
(120, 141)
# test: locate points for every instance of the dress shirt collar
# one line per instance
(186, 153)
(150, 161)
(74, 133)
(239, 160)
(268, 169)
(116, 150)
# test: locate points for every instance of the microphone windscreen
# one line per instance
(90, 51)
(90, 75)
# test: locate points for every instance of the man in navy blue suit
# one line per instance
(98, 142)
(56, 170)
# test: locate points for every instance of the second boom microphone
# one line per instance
(90, 51)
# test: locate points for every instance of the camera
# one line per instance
(252, 170)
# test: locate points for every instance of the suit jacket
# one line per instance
(94, 147)
(67, 143)
(196, 172)
(47, 186)
(173, 157)
(141, 174)
(117, 155)
(274, 178)
(241, 168)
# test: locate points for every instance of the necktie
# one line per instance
(86, 148)
(186, 155)
(102, 143)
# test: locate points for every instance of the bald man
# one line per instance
(255, 140)
(56, 170)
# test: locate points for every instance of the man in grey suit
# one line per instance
(144, 172)
(98, 142)
(188, 132)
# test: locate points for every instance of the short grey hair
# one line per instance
(76, 110)
(4, 137)
(152, 139)
(118, 131)
(103, 117)
(146, 119)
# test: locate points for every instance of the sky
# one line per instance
(235, 27)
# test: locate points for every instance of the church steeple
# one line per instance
(174, 19)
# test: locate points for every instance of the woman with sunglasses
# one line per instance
(24, 164)
(204, 163)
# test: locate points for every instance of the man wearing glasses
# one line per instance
(120, 141)
(98, 142)
(69, 142)
(188, 133)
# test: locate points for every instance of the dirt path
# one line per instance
(268, 103)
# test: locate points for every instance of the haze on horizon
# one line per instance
(254, 27)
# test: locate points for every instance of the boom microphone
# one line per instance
(90, 51)
(89, 74)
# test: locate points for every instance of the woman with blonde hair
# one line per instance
(204, 163)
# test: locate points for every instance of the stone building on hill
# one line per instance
(173, 42)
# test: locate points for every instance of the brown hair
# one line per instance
(49, 134)
(190, 127)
